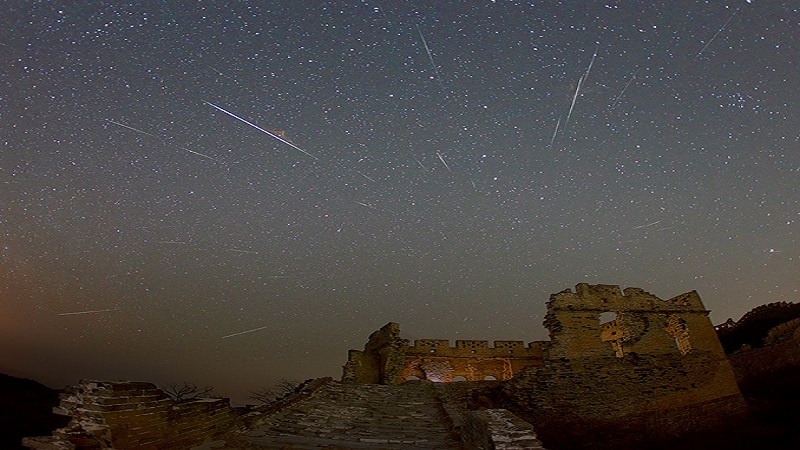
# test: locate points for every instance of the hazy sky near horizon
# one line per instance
(231, 192)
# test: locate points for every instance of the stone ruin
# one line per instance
(617, 359)
(621, 367)
(389, 359)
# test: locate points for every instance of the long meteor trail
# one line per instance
(95, 311)
(430, 57)
(718, 32)
(161, 139)
(243, 332)
(259, 128)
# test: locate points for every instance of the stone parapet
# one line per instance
(134, 415)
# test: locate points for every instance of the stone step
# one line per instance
(359, 416)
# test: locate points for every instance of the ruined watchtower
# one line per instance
(622, 360)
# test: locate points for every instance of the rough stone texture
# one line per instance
(644, 367)
(351, 416)
(498, 429)
(781, 350)
(655, 374)
(134, 415)
(381, 361)
(388, 359)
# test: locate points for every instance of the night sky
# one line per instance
(229, 193)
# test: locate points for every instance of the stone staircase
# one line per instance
(357, 416)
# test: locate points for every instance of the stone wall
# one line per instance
(647, 371)
(381, 362)
(616, 360)
(388, 359)
(436, 360)
(135, 415)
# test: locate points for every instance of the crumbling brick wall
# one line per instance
(388, 359)
(135, 415)
(471, 360)
(381, 362)
(640, 372)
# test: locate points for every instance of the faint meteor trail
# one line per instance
(259, 129)
(648, 225)
(197, 153)
(430, 57)
(591, 63)
(244, 332)
(441, 158)
(366, 205)
(718, 32)
(420, 163)
(555, 132)
(161, 139)
(241, 251)
(94, 311)
(131, 128)
(370, 179)
(616, 99)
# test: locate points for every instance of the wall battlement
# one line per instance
(605, 297)
(615, 356)
(471, 348)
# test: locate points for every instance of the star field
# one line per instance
(175, 174)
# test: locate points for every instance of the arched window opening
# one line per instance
(490, 378)
(412, 378)
(459, 378)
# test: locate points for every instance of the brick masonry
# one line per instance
(619, 366)
(134, 415)
(614, 357)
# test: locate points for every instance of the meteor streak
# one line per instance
(578, 88)
(366, 205)
(648, 225)
(95, 311)
(441, 158)
(420, 163)
(718, 32)
(249, 252)
(370, 179)
(259, 129)
(131, 128)
(555, 132)
(430, 57)
(574, 98)
(616, 99)
(161, 139)
(243, 332)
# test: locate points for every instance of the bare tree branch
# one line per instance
(185, 391)
(272, 394)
